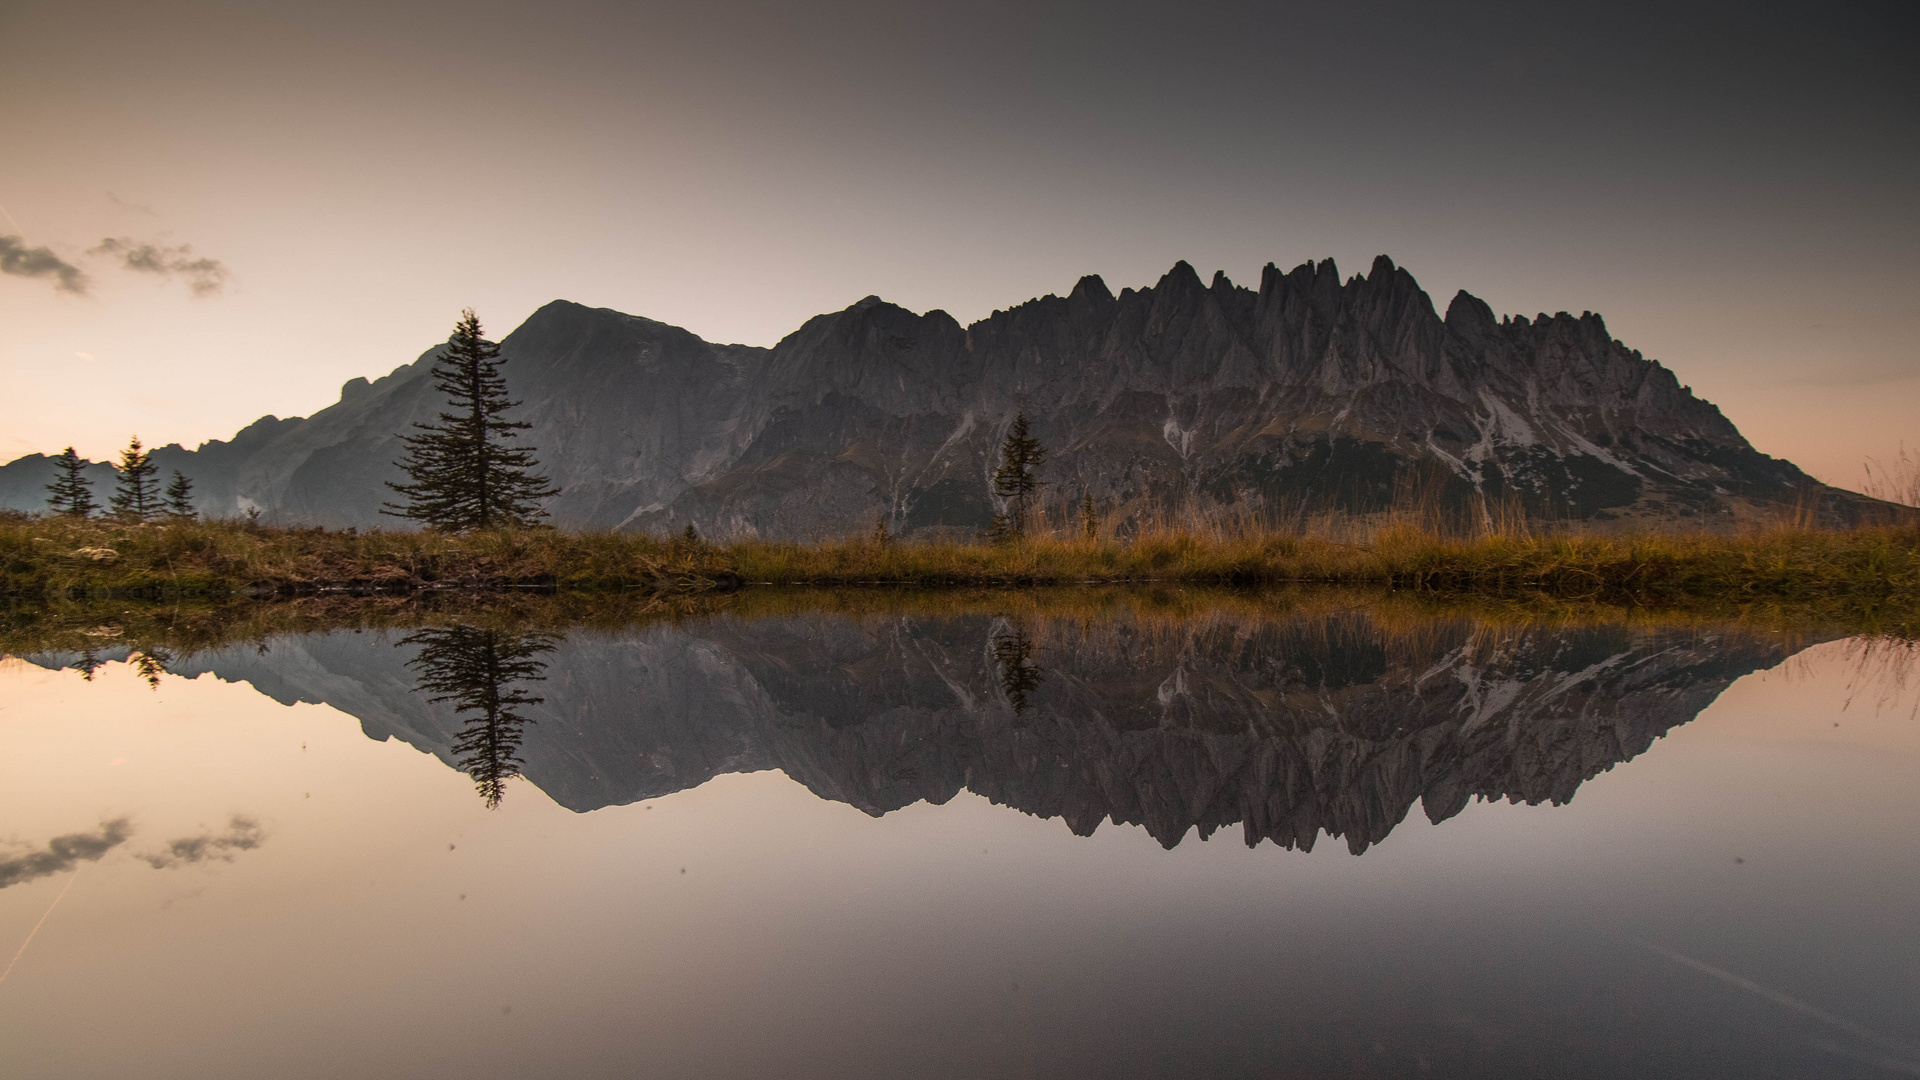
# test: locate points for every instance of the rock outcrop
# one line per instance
(1308, 393)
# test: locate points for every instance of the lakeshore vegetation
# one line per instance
(62, 558)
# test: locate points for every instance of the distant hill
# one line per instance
(1309, 391)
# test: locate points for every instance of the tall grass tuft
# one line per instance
(1897, 482)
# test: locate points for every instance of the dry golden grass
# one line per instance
(182, 628)
(1865, 570)
(63, 557)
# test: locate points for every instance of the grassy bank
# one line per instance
(182, 628)
(54, 558)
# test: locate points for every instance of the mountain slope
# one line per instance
(1307, 392)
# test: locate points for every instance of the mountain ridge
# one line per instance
(1310, 391)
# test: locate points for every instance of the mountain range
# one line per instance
(1307, 393)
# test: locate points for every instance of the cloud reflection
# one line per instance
(243, 834)
(19, 260)
(64, 853)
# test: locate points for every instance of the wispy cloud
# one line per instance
(19, 260)
(205, 276)
(243, 834)
(63, 853)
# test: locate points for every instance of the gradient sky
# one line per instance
(1732, 186)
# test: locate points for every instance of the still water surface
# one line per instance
(965, 845)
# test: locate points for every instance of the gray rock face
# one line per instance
(1311, 392)
(1288, 726)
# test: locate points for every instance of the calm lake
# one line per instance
(1113, 837)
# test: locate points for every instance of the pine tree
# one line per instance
(1089, 519)
(71, 493)
(462, 474)
(137, 496)
(180, 496)
(1014, 481)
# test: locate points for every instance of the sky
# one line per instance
(210, 212)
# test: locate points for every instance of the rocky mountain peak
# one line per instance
(1308, 393)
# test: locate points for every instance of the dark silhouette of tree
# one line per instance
(88, 663)
(478, 671)
(1089, 518)
(151, 662)
(71, 493)
(461, 472)
(180, 496)
(136, 497)
(1019, 675)
(1014, 481)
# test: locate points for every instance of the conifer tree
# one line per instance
(180, 496)
(71, 493)
(462, 474)
(1014, 480)
(137, 495)
(1089, 519)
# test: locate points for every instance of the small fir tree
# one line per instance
(137, 495)
(1014, 480)
(461, 472)
(180, 496)
(1089, 518)
(71, 493)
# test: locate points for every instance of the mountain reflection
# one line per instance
(1290, 720)
(478, 671)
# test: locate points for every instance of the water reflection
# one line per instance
(151, 662)
(1289, 721)
(1736, 903)
(479, 671)
(1019, 675)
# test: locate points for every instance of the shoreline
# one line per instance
(56, 560)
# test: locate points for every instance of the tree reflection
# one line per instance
(1019, 675)
(151, 662)
(478, 671)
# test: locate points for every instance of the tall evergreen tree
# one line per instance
(180, 496)
(1020, 456)
(461, 472)
(479, 670)
(71, 493)
(137, 495)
